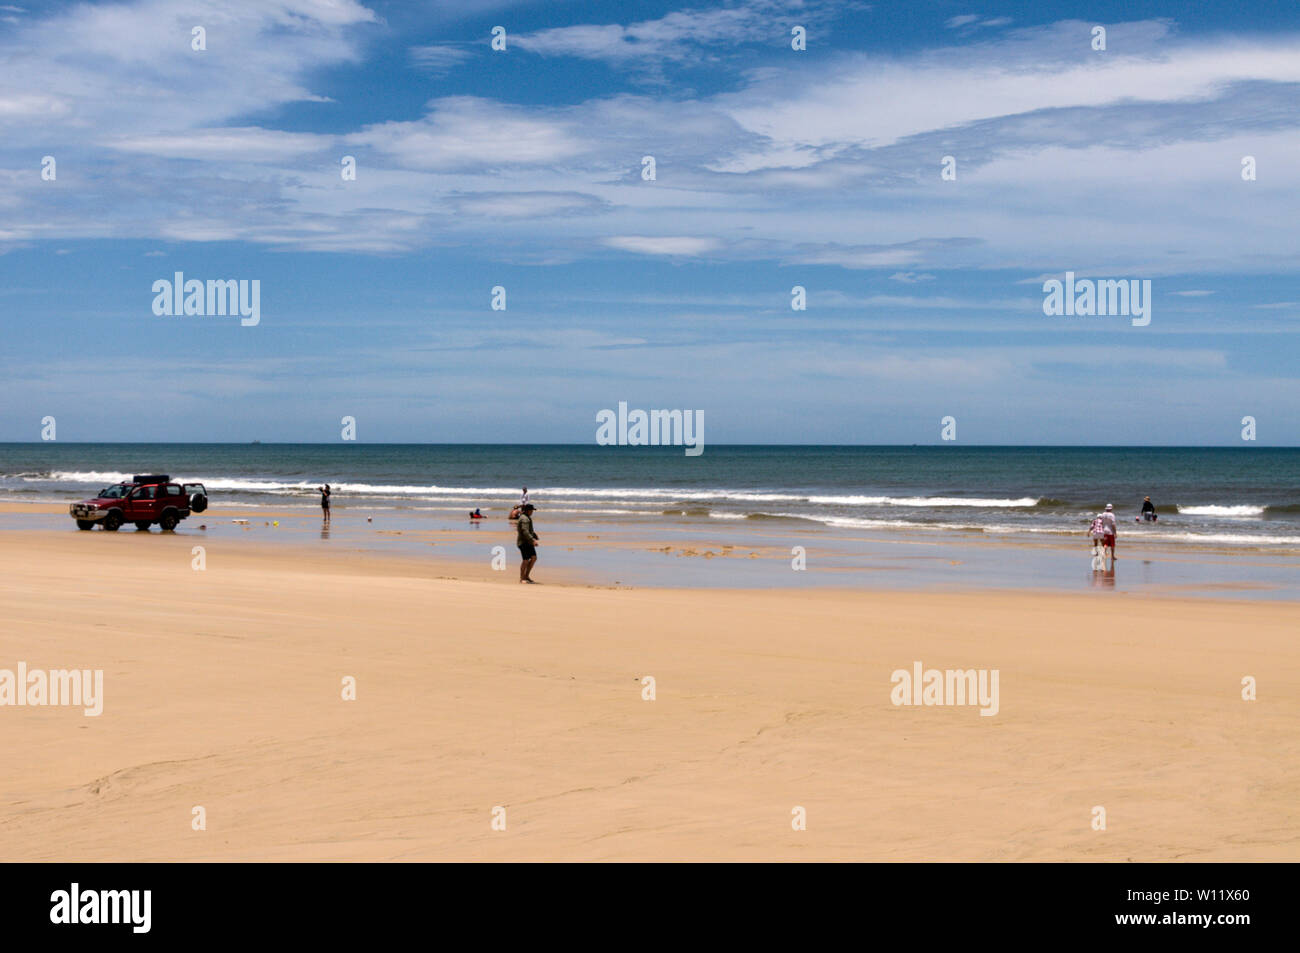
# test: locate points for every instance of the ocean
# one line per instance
(1222, 497)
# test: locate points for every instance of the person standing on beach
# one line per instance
(325, 501)
(1096, 533)
(1111, 526)
(527, 541)
(523, 500)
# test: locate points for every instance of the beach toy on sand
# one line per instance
(240, 522)
(275, 522)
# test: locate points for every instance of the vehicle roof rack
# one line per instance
(151, 478)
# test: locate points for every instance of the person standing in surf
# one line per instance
(1148, 510)
(1111, 526)
(325, 501)
(527, 541)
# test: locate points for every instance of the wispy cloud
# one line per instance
(439, 59)
(682, 34)
(663, 245)
(973, 21)
(242, 144)
(526, 204)
(465, 132)
(793, 162)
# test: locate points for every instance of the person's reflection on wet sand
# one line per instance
(1104, 578)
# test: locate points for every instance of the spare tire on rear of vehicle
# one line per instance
(198, 502)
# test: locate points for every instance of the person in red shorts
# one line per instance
(1111, 526)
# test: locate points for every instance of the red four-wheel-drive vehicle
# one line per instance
(147, 499)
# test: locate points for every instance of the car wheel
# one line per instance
(112, 521)
(198, 502)
(85, 524)
(168, 521)
(142, 524)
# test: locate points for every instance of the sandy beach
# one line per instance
(222, 690)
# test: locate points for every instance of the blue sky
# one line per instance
(775, 168)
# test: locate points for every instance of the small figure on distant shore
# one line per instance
(1148, 511)
(476, 515)
(527, 541)
(518, 508)
(325, 501)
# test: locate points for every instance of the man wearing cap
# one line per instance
(527, 541)
(1111, 526)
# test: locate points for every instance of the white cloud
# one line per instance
(663, 245)
(439, 58)
(909, 97)
(248, 144)
(676, 36)
(526, 204)
(974, 21)
(128, 69)
(1067, 160)
(465, 132)
(859, 257)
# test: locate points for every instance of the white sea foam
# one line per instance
(1210, 510)
(631, 494)
(79, 476)
(976, 502)
(1241, 539)
(821, 507)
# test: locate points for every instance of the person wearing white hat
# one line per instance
(1111, 526)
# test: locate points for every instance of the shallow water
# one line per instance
(699, 552)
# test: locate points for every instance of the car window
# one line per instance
(173, 489)
(146, 492)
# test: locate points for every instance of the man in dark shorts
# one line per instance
(325, 502)
(526, 540)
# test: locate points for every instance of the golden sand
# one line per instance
(223, 691)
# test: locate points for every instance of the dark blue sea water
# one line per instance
(1226, 497)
